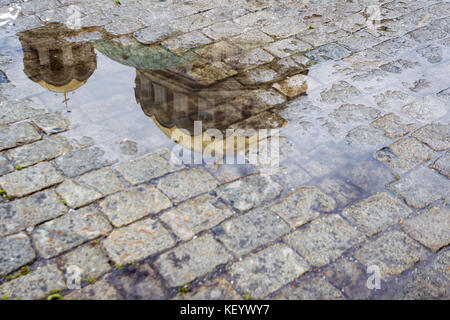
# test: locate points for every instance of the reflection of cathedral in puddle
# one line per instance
(54, 63)
(168, 96)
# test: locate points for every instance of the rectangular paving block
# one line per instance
(268, 270)
(324, 240)
(43, 150)
(128, 206)
(251, 230)
(151, 166)
(217, 289)
(421, 187)
(81, 161)
(101, 290)
(431, 228)
(31, 179)
(76, 227)
(303, 205)
(89, 258)
(17, 134)
(15, 251)
(249, 192)
(27, 212)
(76, 195)
(186, 184)
(103, 180)
(51, 122)
(196, 215)
(38, 284)
(376, 213)
(137, 241)
(310, 287)
(191, 260)
(394, 252)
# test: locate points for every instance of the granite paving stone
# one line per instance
(76, 195)
(17, 134)
(421, 187)
(43, 150)
(442, 164)
(51, 123)
(15, 251)
(27, 212)
(217, 289)
(5, 165)
(256, 228)
(137, 241)
(324, 240)
(268, 270)
(140, 283)
(425, 109)
(435, 135)
(393, 126)
(128, 206)
(310, 288)
(431, 228)
(31, 179)
(191, 260)
(149, 167)
(101, 290)
(196, 215)
(64, 233)
(89, 258)
(303, 205)
(103, 180)
(376, 213)
(186, 184)
(393, 252)
(81, 161)
(404, 154)
(38, 284)
(249, 192)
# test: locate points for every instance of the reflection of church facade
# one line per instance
(168, 96)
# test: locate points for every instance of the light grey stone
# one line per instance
(31, 179)
(249, 192)
(328, 52)
(27, 212)
(137, 241)
(90, 259)
(324, 240)
(14, 111)
(151, 166)
(287, 47)
(426, 109)
(43, 150)
(421, 187)
(128, 206)
(191, 260)
(393, 126)
(354, 113)
(153, 34)
(268, 270)
(404, 154)
(5, 165)
(59, 235)
(17, 134)
(303, 205)
(436, 135)
(217, 289)
(76, 195)
(196, 215)
(393, 253)
(81, 161)
(36, 285)
(251, 230)
(431, 228)
(376, 213)
(15, 251)
(101, 290)
(104, 180)
(52, 122)
(339, 92)
(442, 164)
(310, 288)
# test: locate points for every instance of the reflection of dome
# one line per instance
(54, 63)
(174, 107)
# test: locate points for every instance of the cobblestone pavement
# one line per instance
(360, 90)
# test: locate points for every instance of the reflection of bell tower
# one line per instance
(55, 63)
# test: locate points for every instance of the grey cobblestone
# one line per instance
(281, 266)
(128, 206)
(17, 134)
(31, 179)
(191, 260)
(137, 241)
(310, 288)
(81, 161)
(89, 258)
(15, 251)
(59, 235)
(52, 122)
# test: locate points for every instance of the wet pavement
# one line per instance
(108, 182)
